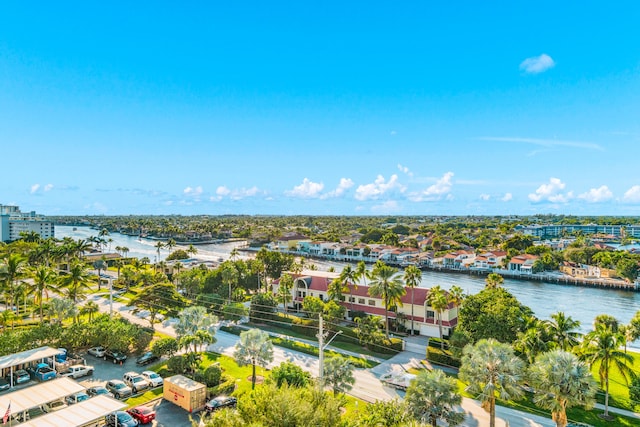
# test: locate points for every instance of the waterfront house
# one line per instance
(488, 260)
(316, 284)
(458, 259)
(287, 242)
(522, 263)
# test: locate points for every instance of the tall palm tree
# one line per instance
(159, 245)
(561, 381)
(493, 280)
(284, 289)
(386, 284)
(348, 278)
(170, 244)
(603, 346)
(125, 250)
(44, 280)
(437, 299)
(361, 272)
(233, 254)
(490, 367)
(254, 348)
(533, 341)
(412, 278)
(192, 250)
(562, 331)
(12, 270)
(230, 276)
(76, 282)
(456, 295)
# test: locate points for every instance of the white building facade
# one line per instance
(13, 222)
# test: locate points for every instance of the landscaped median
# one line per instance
(306, 348)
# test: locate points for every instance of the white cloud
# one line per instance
(235, 194)
(632, 195)
(388, 206)
(195, 192)
(48, 187)
(551, 192)
(308, 189)
(597, 195)
(485, 197)
(34, 188)
(507, 197)
(537, 64)
(548, 143)
(344, 185)
(405, 169)
(437, 191)
(379, 187)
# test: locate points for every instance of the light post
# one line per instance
(110, 297)
(321, 347)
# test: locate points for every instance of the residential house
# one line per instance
(522, 263)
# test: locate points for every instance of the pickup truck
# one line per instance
(77, 371)
(42, 372)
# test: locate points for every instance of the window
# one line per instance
(430, 314)
(361, 301)
(352, 299)
(372, 302)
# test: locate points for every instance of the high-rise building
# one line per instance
(13, 222)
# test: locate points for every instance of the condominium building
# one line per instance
(13, 222)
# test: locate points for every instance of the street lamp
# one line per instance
(321, 347)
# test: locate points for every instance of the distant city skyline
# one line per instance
(320, 108)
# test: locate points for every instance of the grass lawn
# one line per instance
(618, 388)
(144, 398)
(242, 374)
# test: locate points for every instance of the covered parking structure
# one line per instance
(84, 414)
(18, 360)
(35, 396)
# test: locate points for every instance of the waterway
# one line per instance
(581, 303)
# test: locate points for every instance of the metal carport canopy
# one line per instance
(32, 355)
(77, 415)
(37, 395)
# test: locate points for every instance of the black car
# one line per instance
(221, 402)
(116, 356)
(146, 358)
(120, 419)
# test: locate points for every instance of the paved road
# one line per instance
(368, 386)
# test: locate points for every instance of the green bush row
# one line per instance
(442, 357)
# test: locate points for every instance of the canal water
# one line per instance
(581, 303)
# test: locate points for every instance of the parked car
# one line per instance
(146, 358)
(98, 390)
(116, 356)
(136, 381)
(56, 405)
(120, 419)
(77, 371)
(143, 414)
(4, 384)
(81, 396)
(153, 378)
(42, 372)
(119, 389)
(220, 402)
(97, 351)
(21, 376)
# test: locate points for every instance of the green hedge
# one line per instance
(442, 357)
(390, 346)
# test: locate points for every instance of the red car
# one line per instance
(143, 414)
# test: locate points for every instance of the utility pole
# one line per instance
(321, 353)
(110, 297)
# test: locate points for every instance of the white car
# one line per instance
(154, 379)
(97, 351)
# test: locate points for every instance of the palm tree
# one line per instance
(7, 316)
(76, 282)
(412, 278)
(348, 278)
(284, 290)
(254, 347)
(456, 295)
(603, 346)
(90, 308)
(432, 396)
(437, 299)
(233, 254)
(561, 381)
(490, 367)
(170, 244)
(195, 318)
(494, 280)
(338, 373)
(230, 276)
(125, 251)
(62, 308)
(386, 284)
(192, 250)
(361, 272)
(44, 280)
(159, 245)
(12, 270)
(533, 341)
(562, 331)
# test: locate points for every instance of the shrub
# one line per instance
(177, 365)
(442, 357)
(226, 387)
(210, 376)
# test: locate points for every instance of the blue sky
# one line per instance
(344, 108)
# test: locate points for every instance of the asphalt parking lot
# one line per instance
(167, 414)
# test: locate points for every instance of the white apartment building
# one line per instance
(13, 222)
